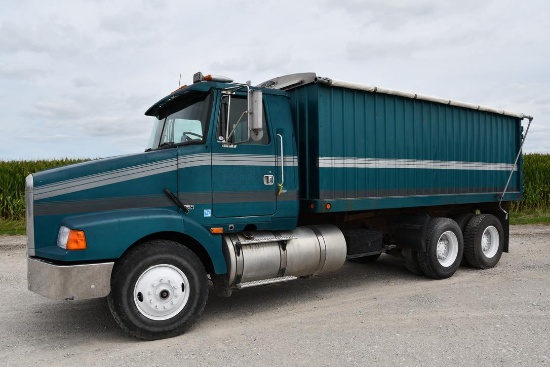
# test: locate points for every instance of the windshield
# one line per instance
(185, 121)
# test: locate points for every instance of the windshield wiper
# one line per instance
(168, 144)
(192, 142)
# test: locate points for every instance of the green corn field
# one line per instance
(536, 184)
(12, 184)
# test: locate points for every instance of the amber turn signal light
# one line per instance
(76, 240)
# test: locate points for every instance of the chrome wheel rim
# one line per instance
(490, 242)
(447, 248)
(161, 292)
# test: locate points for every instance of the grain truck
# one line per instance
(243, 186)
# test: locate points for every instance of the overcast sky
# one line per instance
(77, 76)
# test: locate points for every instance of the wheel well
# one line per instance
(184, 240)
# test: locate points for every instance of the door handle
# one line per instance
(269, 180)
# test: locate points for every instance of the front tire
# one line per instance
(483, 241)
(158, 290)
(444, 248)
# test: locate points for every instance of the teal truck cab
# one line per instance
(242, 186)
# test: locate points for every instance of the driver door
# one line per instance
(244, 171)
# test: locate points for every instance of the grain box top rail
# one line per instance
(291, 81)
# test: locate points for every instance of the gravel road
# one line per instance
(376, 314)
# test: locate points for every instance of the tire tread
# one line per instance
(428, 260)
(472, 235)
(411, 262)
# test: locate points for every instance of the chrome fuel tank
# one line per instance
(305, 251)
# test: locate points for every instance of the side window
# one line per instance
(236, 125)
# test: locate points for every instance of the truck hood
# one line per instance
(110, 177)
(98, 197)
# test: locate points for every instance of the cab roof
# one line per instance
(204, 86)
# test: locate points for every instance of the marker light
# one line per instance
(180, 88)
(199, 77)
(216, 230)
(71, 239)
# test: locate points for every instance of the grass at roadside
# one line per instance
(539, 216)
(12, 227)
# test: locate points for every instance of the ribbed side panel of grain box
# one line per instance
(364, 150)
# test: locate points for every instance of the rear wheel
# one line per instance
(158, 290)
(411, 261)
(483, 241)
(444, 248)
(462, 221)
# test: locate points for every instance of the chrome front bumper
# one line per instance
(69, 282)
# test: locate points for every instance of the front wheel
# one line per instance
(158, 290)
(444, 248)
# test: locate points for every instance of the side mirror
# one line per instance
(255, 114)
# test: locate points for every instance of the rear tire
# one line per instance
(411, 261)
(483, 241)
(444, 248)
(158, 290)
(462, 221)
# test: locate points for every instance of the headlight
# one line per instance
(71, 239)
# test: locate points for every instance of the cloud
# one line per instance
(113, 120)
(109, 126)
(77, 106)
(130, 23)
(60, 109)
(21, 73)
(51, 36)
(90, 69)
(45, 138)
(84, 82)
(389, 14)
(257, 63)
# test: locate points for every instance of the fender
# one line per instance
(409, 231)
(110, 234)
